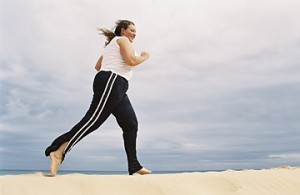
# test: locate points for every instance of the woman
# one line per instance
(110, 86)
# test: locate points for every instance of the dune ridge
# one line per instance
(276, 181)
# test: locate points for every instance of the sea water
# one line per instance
(64, 172)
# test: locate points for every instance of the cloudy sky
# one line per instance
(220, 91)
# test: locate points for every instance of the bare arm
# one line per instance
(128, 54)
(99, 63)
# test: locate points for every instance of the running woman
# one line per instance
(110, 86)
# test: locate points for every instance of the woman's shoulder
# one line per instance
(122, 40)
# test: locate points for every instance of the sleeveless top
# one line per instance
(114, 62)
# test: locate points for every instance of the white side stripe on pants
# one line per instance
(81, 132)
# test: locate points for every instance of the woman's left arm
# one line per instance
(128, 54)
(99, 63)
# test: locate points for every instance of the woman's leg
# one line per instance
(108, 92)
(103, 84)
(127, 120)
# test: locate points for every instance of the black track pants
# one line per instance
(109, 98)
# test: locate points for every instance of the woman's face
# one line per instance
(130, 32)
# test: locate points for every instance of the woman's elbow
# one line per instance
(132, 62)
(97, 67)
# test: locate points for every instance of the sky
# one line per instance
(220, 90)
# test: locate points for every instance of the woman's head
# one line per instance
(122, 24)
(123, 28)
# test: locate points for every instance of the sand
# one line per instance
(276, 181)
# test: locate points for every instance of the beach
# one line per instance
(276, 181)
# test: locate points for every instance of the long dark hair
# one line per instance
(110, 34)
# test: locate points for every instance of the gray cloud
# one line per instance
(219, 91)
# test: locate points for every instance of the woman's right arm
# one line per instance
(99, 63)
(128, 53)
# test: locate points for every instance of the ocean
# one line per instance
(64, 172)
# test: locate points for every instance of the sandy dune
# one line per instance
(277, 181)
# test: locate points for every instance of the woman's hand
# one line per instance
(145, 55)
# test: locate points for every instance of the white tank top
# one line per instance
(113, 61)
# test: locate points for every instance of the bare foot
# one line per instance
(55, 161)
(143, 171)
